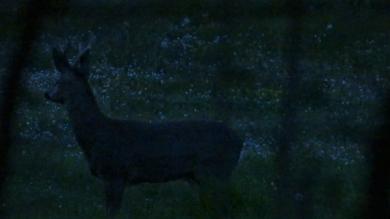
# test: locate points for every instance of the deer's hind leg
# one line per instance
(114, 189)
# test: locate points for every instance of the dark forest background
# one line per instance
(303, 83)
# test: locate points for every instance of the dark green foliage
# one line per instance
(161, 64)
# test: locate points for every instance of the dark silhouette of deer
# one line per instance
(130, 152)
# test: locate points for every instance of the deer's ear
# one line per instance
(60, 61)
(83, 63)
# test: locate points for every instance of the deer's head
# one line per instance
(73, 77)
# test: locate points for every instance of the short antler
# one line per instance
(84, 47)
(67, 47)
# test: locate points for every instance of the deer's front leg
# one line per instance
(114, 189)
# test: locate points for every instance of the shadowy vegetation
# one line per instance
(162, 64)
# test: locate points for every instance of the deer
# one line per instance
(124, 153)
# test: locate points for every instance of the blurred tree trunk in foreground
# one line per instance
(29, 24)
(377, 202)
(288, 131)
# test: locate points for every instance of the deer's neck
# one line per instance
(86, 118)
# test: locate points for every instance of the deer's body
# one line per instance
(158, 152)
(130, 152)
